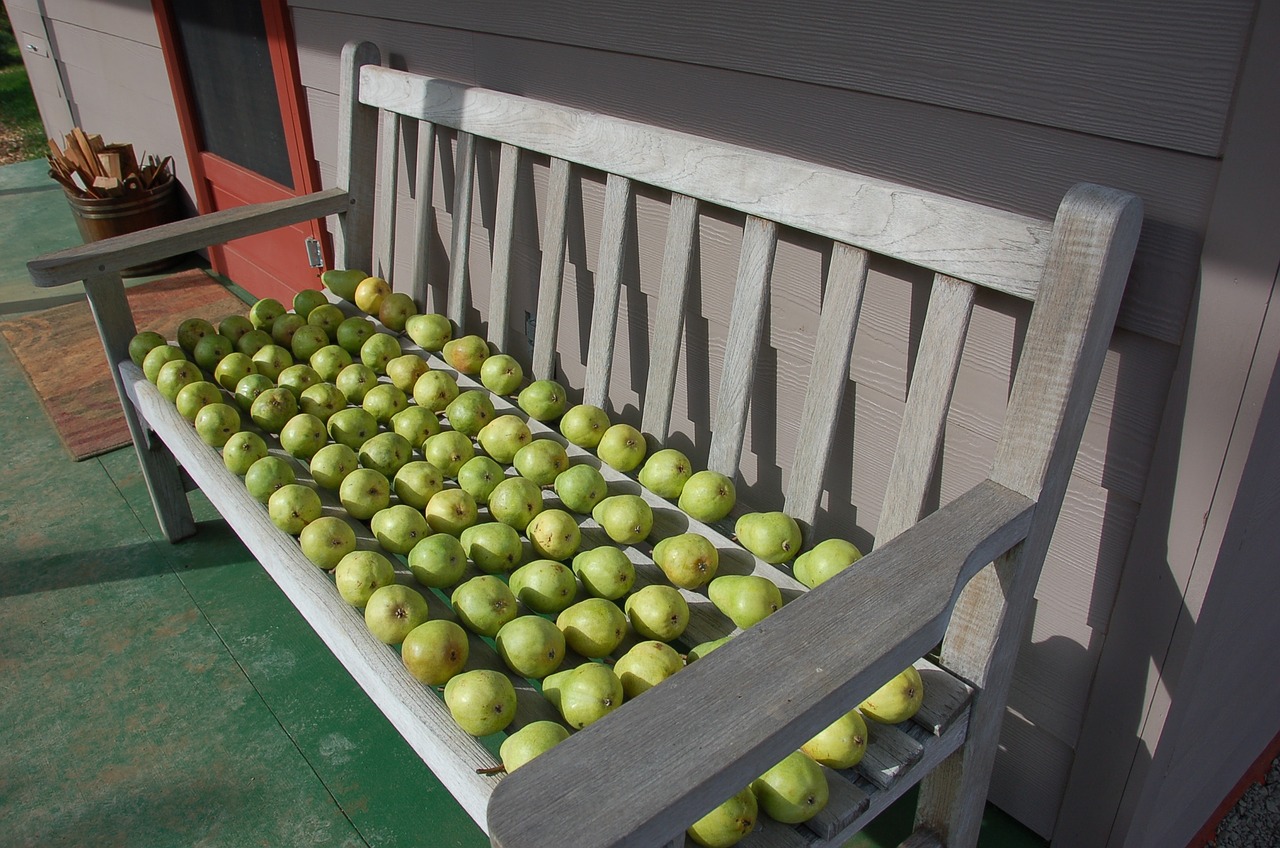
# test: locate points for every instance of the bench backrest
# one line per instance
(1072, 269)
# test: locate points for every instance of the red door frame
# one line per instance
(209, 170)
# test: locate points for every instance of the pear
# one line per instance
(658, 612)
(594, 627)
(482, 701)
(825, 559)
(470, 411)
(543, 400)
(580, 488)
(772, 536)
(627, 519)
(531, 646)
(588, 693)
(484, 604)
(897, 700)
(700, 650)
(745, 598)
(605, 572)
(494, 547)
(467, 354)
(689, 559)
(583, 425)
(544, 586)
(841, 744)
(623, 447)
(428, 330)
(793, 791)
(665, 473)
(708, 496)
(343, 282)
(728, 823)
(435, 651)
(646, 665)
(503, 437)
(541, 461)
(534, 738)
(554, 534)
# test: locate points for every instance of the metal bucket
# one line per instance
(103, 217)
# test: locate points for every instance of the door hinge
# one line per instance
(314, 257)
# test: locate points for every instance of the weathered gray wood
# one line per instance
(668, 321)
(890, 752)
(994, 248)
(115, 325)
(827, 378)
(946, 698)
(925, 417)
(551, 279)
(1095, 235)
(424, 218)
(503, 243)
(357, 160)
(900, 596)
(608, 288)
(388, 181)
(746, 326)
(845, 802)
(460, 250)
(114, 254)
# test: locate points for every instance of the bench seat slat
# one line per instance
(551, 277)
(668, 323)
(384, 217)
(618, 198)
(460, 250)
(504, 228)
(424, 217)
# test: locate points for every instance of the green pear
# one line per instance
(626, 519)
(156, 359)
(143, 343)
(363, 492)
(728, 823)
(841, 744)
(501, 374)
(554, 534)
(646, 665)
(541, 461)
(482, 701)
(448, 450)
(688, 559)
(298, 378)
(503, 437)
(329, 318)
(793, 791)
(584, 424)
(708, 495)
(351, 427)
(355, 381)
(293, 506)
(580, 487)
(544, 586)
(249, 388)
(825, 559)
(270, 410)
(322, 400)
(193, 396)
(234, 326)
(658, 612)
(451, 511)
(484, 604)
(533, 739)
(211, 350)
(428, 330)
(466, 354)
(594, 627)
(266, 475)
(665, 473)
(353, 332)
(394, 610)
(543, 400)
(307, 341)
(386, 453)
(515, 501)
(772, 536)
(435, 651)
(531, 646)
(395, 310)
(378, 350)
(306, 300)
(271, 359)
(897, 700)
(176, 374)
(700, 650)
(253, 341)
(343, 282)
(494, 547)
(470, 411)
(232, 369)
(327, 540)
(265, 311)
(192, 330)
(479, 476)
(216, 423)
(360, 573)
(283, 328)
(435, 390)
(415, 424)
(438, 561)
(404, 371)
(623, 447)
(588, 693)
(399, 527)
(384, 401)
(329, 361)
(332, 463)
(605, 572)
(242, 450)
(745, 598)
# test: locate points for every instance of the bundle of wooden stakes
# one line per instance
(87, 167)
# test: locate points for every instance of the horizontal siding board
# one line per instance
(132, 20)
(1156, 72)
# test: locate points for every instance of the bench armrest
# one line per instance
(173, 239)
(644, 774)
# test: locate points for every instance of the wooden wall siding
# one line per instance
(1153, 72)
(1017, 164)
(42, 65)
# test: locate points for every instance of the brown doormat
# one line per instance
(63, 359)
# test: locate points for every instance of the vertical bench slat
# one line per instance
(503, 241)
(424, 218)
(551, 279)
(668, 322)
(746, 324)
(460, 246)
(357, 140)
(604, 311)
(384, 218)
(946, 324)
(841, 303)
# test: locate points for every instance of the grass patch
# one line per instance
(19, 117)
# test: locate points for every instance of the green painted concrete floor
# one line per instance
(168, 695)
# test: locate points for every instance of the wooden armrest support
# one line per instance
(645, 773)
(173, 239)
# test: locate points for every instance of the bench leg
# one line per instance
(159, 468)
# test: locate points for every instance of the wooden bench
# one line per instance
(955, 584)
